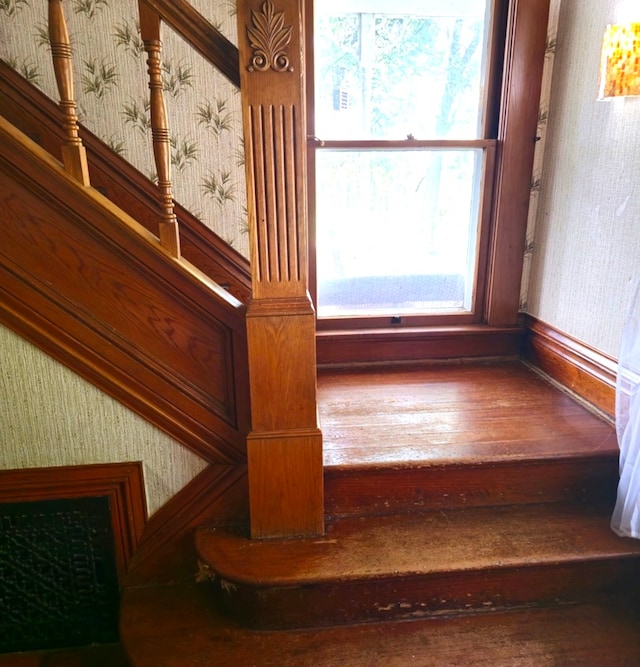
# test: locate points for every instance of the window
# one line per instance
(404, 117)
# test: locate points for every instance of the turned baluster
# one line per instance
(74, 156)
(150, 30)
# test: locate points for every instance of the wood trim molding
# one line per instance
(95, 290)
(122, 483)
(584, 370)
(39, 118)
(202, 36)
(218, 495)
(525, 54)
(416, 344)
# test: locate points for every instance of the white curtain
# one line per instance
(626, 515)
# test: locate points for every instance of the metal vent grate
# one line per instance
(58, 579)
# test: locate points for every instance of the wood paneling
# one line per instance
(525, 53)
(90, 286)
(37, 116)
(584, 370)
(122, 483)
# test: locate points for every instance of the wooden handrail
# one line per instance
(150, 31)
(74, 156)
(200, 34)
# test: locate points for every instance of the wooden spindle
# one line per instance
(150, 30)
(74, 156)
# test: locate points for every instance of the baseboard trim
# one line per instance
(122, 483)
(588, 373)
(217, 496)
(416, 344)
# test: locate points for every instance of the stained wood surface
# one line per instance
(574, 364)
(419, 565)
(40, 118)
(91, 287)
(107, 655)
(362, 548)
(122, 483)
(178, 627)
(469, 412)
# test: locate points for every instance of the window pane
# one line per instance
(396, 231)
(395, 68)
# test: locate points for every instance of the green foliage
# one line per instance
(89, 7)
(175, 78)
(11, 7)
(98, 78)
(215, 117)
(117, 145)
(183, 152)
(42, 35)
(129, 38)
(219, 187)
(383, 63)
(240, 159)
(31, 72)
(138, 115)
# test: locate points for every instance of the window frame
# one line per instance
(489, 144)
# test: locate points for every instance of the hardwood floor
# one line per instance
(451, 413)
(473, 499)
(178, 627)
(110, 655)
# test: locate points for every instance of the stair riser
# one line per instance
(373, 491)
(414, 598)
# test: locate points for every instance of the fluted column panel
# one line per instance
(279, 253)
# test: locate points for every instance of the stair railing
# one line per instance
(284, 447)
(74, 156)
(150, 31)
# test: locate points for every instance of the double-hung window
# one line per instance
(403, 119)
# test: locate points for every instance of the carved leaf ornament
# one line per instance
(269, 38)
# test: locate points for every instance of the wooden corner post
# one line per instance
(285, 444)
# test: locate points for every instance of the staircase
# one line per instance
(468, 523)
(467, 504)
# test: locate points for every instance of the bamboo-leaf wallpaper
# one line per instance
(112, 95)
(536, 177)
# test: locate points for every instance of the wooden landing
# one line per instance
(466, 412)
(443, 436)
(178, 627)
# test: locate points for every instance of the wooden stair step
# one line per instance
(361, 490)
(180, 627)
(410, 566)
(474, 434)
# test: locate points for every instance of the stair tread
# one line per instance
(179, 627)
(445, 541)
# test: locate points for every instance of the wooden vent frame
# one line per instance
(121, 483)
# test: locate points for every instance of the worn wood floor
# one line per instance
(177, 627)
(451, 413)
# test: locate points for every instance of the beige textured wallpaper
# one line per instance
(49, 416)
(585, 255)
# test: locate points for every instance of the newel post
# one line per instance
(285, 444)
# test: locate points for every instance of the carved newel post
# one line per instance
(285, 444)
